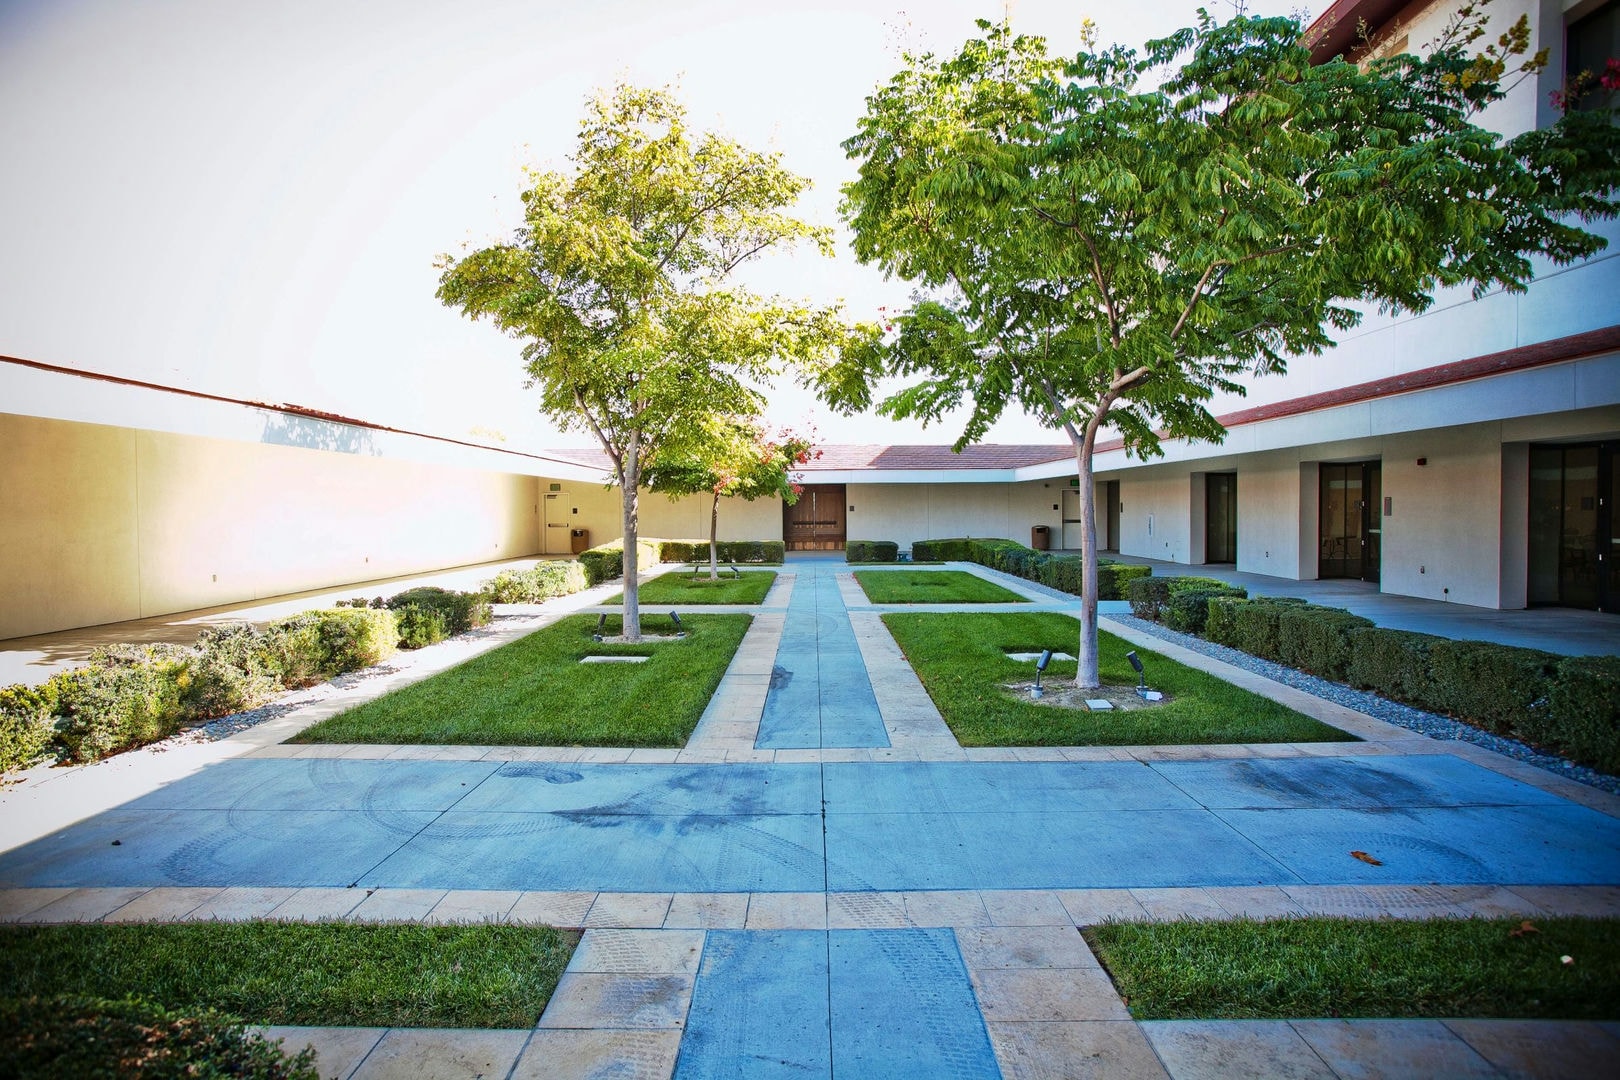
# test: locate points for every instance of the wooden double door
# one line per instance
(816, 522)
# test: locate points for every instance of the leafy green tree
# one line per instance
(618, 284)
(1110, 240)
(731, 457)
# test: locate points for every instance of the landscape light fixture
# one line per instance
(1141, 678)
(601, 627)
(1040, 666)
(675, 617)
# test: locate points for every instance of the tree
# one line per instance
(617, 283)
(731, 457)
(1107, 252)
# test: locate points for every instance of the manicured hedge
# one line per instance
(1182, 602)
(538, 583)
(1317, 639)
(874, 551)
(1568, 705)
(1061, 572)
(1581, 712)
(606, 561)
(766, 552)
(314, 646)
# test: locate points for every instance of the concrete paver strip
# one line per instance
(1104, 1050)
(473, 906)
(644, 910)
(1540, 1049)
(442, 1054)
(707, 911)
(597, 1000)
(338, 1050)
(1373, 1049)
(552, 908)
(1210, 1048)
(317, 903)
(596, 1054)
(163, 905)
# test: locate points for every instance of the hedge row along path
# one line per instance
(908, 909)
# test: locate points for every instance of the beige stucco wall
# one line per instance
(101, 524)
(906, 513)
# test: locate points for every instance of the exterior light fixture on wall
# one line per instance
(1422, 461)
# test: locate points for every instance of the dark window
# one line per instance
(1592, 41)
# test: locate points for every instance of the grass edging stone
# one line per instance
(1339, 967)
(344, 974)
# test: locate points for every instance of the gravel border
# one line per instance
(1381, 708)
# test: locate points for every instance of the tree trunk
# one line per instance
(714, 542)
(632, 508)
(1086, 673)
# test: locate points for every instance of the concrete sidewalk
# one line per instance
(908, 910)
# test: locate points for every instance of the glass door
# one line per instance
(1574, 557)
(1350, 520)
(1220, 518)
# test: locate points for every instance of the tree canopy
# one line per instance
(618, 283)
(731, 457)
(1109, 240)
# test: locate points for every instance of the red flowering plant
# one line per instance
(1575, 92)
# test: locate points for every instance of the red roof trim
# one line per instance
(1335, 33)
(1542, 353)
(291, 410)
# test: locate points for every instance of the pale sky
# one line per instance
(246, 198)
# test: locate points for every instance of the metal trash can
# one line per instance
(579, 540)
(1040, 538)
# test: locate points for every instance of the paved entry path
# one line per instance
(820, 694)
(823, 883)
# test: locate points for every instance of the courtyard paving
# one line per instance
(823, 882)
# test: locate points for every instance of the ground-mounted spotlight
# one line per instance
(675, 617)
(1142, 690)
(734, 571)
(1040, 667)
(601, 627)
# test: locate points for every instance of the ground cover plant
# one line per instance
(1331, 967)
(962, 662)
(393, 975)
(48, 1038)
(535, 692)
(748, 587)
(932, 587)
(538, 583)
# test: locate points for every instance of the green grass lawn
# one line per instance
(1322, 967)
(932, 587)
(961, 660)
(344, 974)
(535, 692)
(681, 589)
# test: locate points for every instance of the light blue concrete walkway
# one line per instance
(821, 695)
(835, 826)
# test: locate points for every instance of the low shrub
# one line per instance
(536, 584)
(233, 669)
(727, 551)
(1061, 572)
(871, 551)
(457, 611)
(1492, 686)
(1394, 663)
(43, 1038)
(26, 725)
(1220, 623)
(940, 550)
(1254, 625)
(316, 645)
(1147, 595)
(1317, 639)
(1113, 578)
(128, 695)
(420, 626)
(1581, 713)
(606, 562)
(1187, 609)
